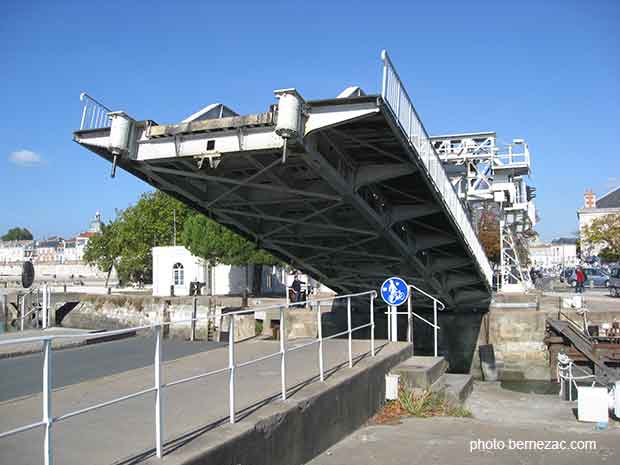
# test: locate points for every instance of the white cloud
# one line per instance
(26, 158)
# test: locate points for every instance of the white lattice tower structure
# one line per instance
(484, 174)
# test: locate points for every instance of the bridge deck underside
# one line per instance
(350, 206)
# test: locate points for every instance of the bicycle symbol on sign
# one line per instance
(394, 291)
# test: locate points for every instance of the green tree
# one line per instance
(103, 250)
(207, 239)
(604, 232)
(17, 234)
(126, 243)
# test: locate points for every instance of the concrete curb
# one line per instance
(36, 348)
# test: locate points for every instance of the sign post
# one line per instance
(394, 292)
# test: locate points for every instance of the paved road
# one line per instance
(21, 376)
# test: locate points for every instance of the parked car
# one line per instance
(614, 281)
(596, 278)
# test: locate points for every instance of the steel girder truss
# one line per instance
(350, 206)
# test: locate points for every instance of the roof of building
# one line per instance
(564, 240)
(7, 244)
(49, 243)
(610, 200)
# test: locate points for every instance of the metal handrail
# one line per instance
(48, 419)
(94, 113)
(395, 95)
(410, 314)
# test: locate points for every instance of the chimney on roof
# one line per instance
(589, 199)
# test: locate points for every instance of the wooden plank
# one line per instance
(219, 124)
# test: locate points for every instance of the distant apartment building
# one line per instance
(594, 208)
(51, 250)
(559, 253)
(15, 251)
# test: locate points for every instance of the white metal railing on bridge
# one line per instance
(391, 313)
(94, 113)
(48, 419)
(394, 94)
(508, 158)
(35, 303)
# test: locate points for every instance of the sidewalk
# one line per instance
(499, 416)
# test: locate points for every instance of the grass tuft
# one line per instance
(427, 403)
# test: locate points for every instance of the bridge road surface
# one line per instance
(21, 376)
(126, 429)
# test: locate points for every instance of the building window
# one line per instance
(269, 281)
(177, 274)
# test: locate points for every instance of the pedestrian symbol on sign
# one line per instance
(394, 291)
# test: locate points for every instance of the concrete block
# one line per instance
(457, 387)
(421, 372)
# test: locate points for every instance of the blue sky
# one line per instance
(547, 72)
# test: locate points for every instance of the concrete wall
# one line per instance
(117, 312)
(62, 271)
(517, 336)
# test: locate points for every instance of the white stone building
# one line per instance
(558, 254)
(175, 266)
(14, 251)
(53, 250)
(595, 208)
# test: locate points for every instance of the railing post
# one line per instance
(372, 325)
(158, 393)
(384, 81)
(409, 322)
(45, 308)
(83, 114)
(231, 368)
(350, 332)
(194, 316)
(435, 323)
(283, 340)
(23, 312)
(394, 323)
(320, 333)
(49, 308)
(47, 401)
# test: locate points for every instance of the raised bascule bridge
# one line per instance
(348, 189)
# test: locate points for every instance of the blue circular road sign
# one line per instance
(394, 291)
